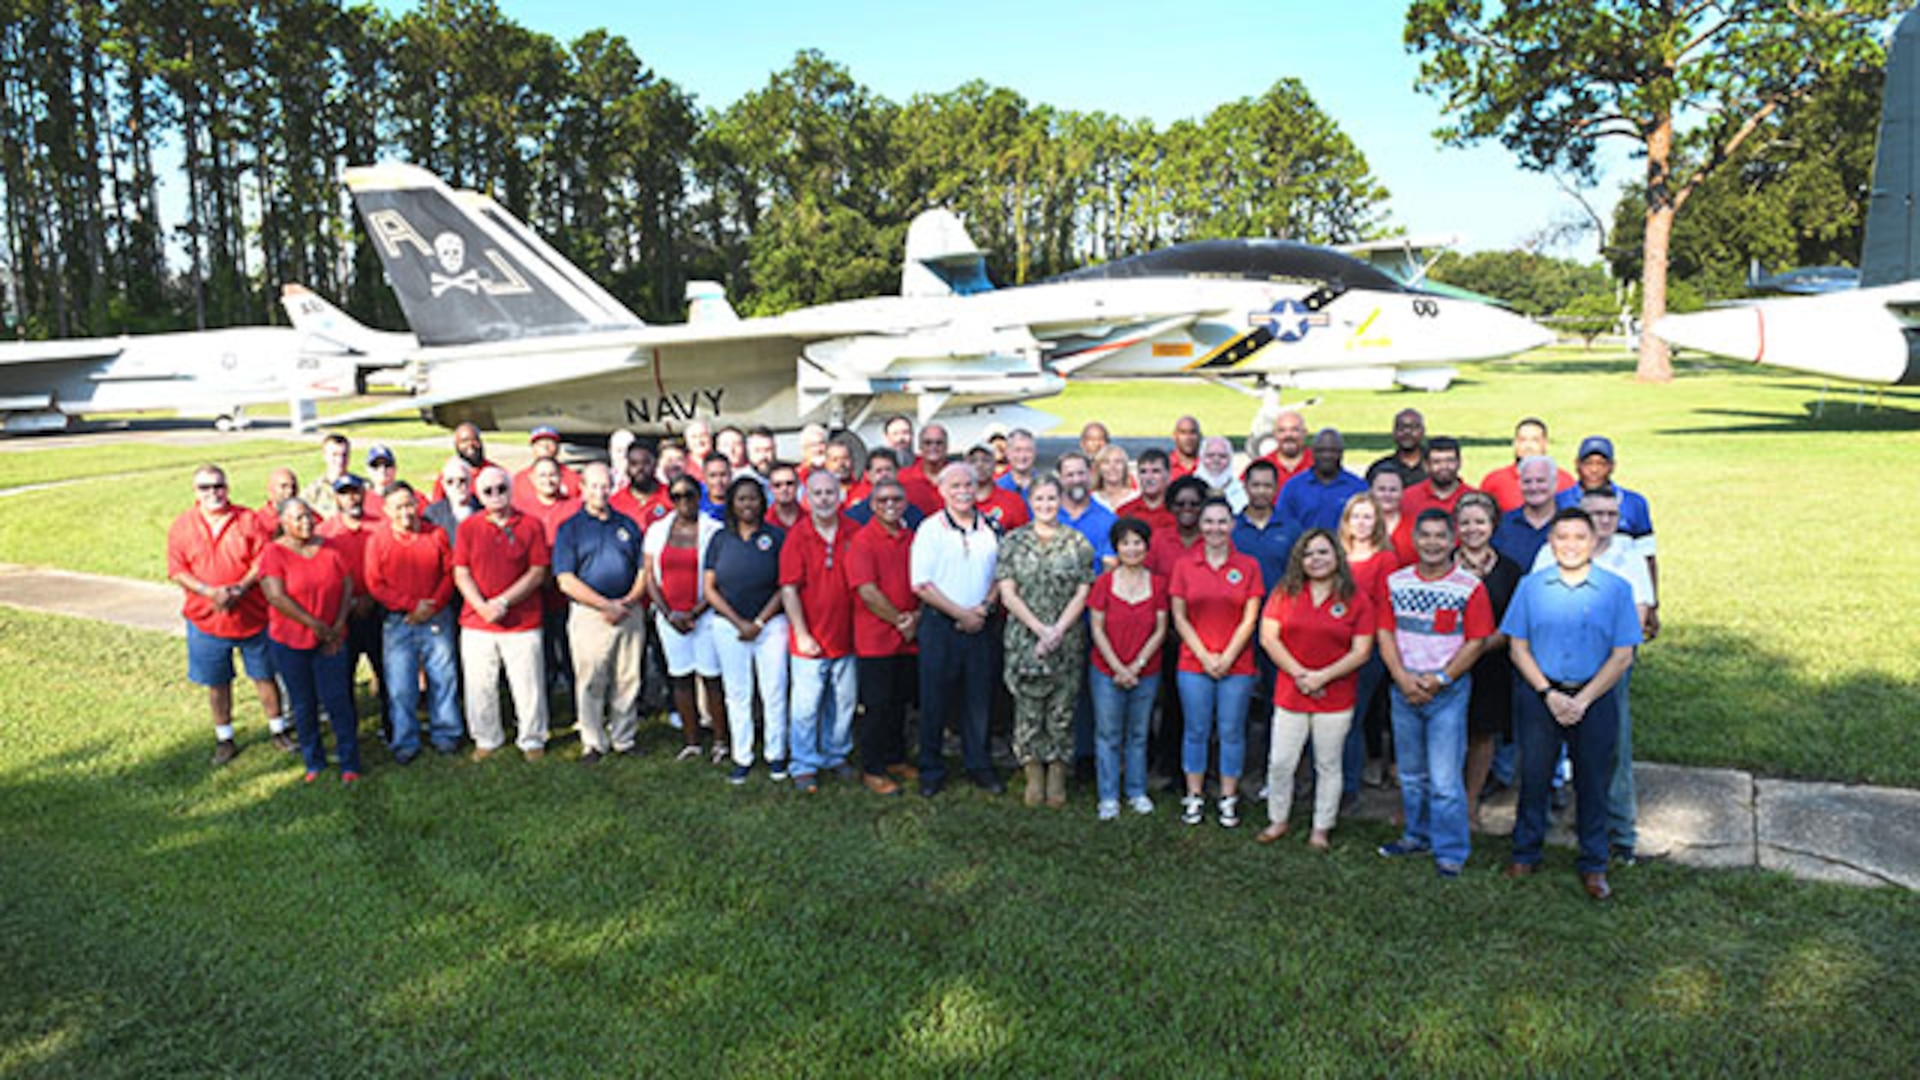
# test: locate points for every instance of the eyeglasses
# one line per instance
(210, 487)
(782, 483)
(1185, 504)
(685, 494)
(888, 499)
(497, 489)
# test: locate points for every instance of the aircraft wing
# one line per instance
(41, 352)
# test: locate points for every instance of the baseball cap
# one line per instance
(544, 431)
(1596, 444)
(348, 482)
(379, 455)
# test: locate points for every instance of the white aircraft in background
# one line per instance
(513, 335)
(45, 385)
(327, 328)
(1870, 334)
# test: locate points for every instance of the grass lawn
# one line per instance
(1787, 563)
(642, 918)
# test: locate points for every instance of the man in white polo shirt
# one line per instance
(954, 555)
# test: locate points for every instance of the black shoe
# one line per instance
(591, 757)
(224, 751)
(1084, 772)
(285, 742)
(1622, 855)
(405, 757)
(930, 786)
(988, 781)
(1349, 803)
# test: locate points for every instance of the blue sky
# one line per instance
(1164, 61)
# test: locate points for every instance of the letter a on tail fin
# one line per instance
(465, 270)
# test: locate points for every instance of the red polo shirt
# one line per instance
(497, 555)
(1179, 465)
(1402, 540)
(220, 553)
(644, 511)
(1318, 635)
(441, 493)
(882, 560)
(818, 571)
(1158, 518)
(1370, 574)
(1420, 497)
(1166, 548)
(268, 519)
(855, 492)
(313, 582)
(1504, 485)
(404, 568)
(922, 491)
(1127, 625)
(523, 484)
(1216, 599)
(1305, 464)
(352, 544)
(1004, 508)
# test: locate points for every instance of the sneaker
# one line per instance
(807, 784)
(349, 777)
(1140, 804)
(1447, 870)
(690, 753)
(446, 749)
(739, 775)
(591, 757)
(405, 757)
(880, 784)
(1109, 809)
(722, 753)
(1403, 847)
(534, 755)
(481, 753)
(844, 771)
(312, 775)
(1230, 812)
(1192, 809)
(224, 751)
(284, 742)
(777, 771)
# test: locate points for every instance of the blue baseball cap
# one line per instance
(1596, 444)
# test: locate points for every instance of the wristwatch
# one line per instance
(1444, 681)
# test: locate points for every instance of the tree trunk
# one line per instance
(1656, 362)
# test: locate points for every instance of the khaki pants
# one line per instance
(1290, 732)
(606, 677)
(483, 654)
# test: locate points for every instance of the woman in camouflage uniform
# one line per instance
(1045, 572)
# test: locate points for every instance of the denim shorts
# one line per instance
(210, 657)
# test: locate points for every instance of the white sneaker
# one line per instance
(1192, 809)
(1141, 804)
(1109, 809)
(1229, 811)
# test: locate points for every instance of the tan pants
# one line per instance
(482, 655)
(606, 677)
(1290, 732)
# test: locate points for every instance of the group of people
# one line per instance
(811, 616)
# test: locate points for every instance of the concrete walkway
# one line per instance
(1717, 818)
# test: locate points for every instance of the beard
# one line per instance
(472, 455)
(1077, 493)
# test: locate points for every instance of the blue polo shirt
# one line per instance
(1006, 483)
(1636, 519)
(1269, 545)
(1309, 503)
(1096, 524)
(1517, 540)
(747, 572)
(604, 555)
(1572, 628)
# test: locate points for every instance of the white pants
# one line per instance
(743, 664)
(1290, 732)
(606, 677)
(690, 653)
(823, 737)
(483, 654)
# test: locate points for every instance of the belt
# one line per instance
(1567, 688)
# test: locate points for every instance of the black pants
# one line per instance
(886, 688)
(1590, 743)
(957, 678)
(364, 639)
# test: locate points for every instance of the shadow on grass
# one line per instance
(1835, 416)
(1706, 695)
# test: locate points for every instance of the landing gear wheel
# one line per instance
(224, 423)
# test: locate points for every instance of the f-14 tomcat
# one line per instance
(513, 335)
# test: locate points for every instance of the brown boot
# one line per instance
(1036, 783)
(1056, 784)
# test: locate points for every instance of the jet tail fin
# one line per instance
(707, 304)
(1891, 250)
(313, 316)
(466, 270)
(942, 259)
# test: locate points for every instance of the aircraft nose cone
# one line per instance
(1734, 332)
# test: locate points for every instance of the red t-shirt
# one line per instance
(1420, 497)
(1504, 485)
(680, 577)
(855, 492)
(549, 515)
(1317, 635)
(1305, 464)
(1179, 465)
(523, 485)
(313, 582)
(818, 570)
(1004, 508)
(1402, 539)
(643, 511)
(1158, 518)
(440, 492)
(403, 569)
(922, 491)
(1166, 548)
(884, 561)
(268, 519)
(1370, 574)
(353, 547)
(221, 553)
(496, 556)
(1216, 600)
(1128, 625)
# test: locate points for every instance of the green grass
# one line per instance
(23, 465)
(1786, 555)
(642, 918)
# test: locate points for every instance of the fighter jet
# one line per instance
(513, 335)
(45, 385)
(1870, 334)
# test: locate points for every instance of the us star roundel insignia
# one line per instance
(763, 542)
(1338, 610)
(1235, 577)
(621, 534)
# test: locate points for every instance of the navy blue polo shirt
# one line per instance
(1307, 502)
(1518, 540)
(1636, 518)
(747, 572)
(1269, 544)
(1571, 629)
(604, 555)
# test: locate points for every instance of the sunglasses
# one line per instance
(497, 489)
(888, 499)
(210, 487)
(685, 494)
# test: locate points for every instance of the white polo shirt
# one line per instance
(957, 561)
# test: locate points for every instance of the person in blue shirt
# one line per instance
(1522, 531)
(1080, 511)
(716, 472)
(1316, 499)
(1573, 628)
(1259, 530)
(598, 561)
(1020, 473)
(1595, 468)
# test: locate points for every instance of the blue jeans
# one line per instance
(1591, 743)
(406, 650)
(1431, 744)
(1623, 803)
(313, 679)
(1208, 703)
(820, 723)
(1120, 719)
(957, 677)
(1353, 759)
